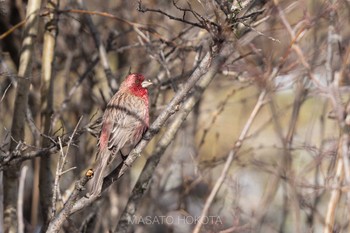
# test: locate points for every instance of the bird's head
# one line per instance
(136, 85)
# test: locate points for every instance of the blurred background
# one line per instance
(286, 174)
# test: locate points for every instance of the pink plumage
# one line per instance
(124, 121)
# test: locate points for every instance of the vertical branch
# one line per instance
(59, 169)
(287, 162)
(335, 194)
(21, 103)
(342, 170)
(20, 199)
(36, 193)
(284, 169)
(46, 177)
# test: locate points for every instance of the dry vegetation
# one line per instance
(250, 115)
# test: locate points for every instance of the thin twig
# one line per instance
(229, 160)
(11, 30)
(296, 47)
(144, 9)
(216, 114)
(4, 94)
(101, 48)
(12, 159)
(56, 224)
(60, 166)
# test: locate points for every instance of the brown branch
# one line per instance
(12, 29)
(9, 41)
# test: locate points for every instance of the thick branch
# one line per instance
(17, 130)
(45, 174)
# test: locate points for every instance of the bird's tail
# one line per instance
(101, 165)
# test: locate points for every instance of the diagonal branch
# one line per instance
(229, 161)
(171, 108)
(167, 138)
(56, 224)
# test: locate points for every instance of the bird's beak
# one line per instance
(146, 83)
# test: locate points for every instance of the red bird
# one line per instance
(124, 121)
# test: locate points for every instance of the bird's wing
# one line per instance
(124, 122)
(128, 117)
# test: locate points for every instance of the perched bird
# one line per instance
(124, 121)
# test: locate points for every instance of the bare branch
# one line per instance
(20, 201)
(56, 223)
(229, 160)
(143, 9)
(60, 165)
(17, 130)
